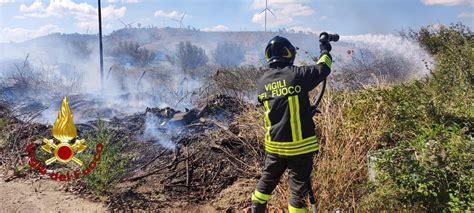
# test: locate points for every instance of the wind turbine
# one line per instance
(129, 25)
(265, 11)
(180, 21)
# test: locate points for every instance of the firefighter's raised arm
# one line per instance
(311, 76)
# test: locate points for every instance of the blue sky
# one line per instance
(21, 20)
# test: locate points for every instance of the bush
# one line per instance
(436, 39)
(81, 48)
(113, 161)
(240, 83)
(430, 164)
(25, 81)
(433, 171)
(368, 67)
(131, 53)
(229, 54)
(190, 56)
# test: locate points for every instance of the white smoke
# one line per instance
(129, 90)
(155, 131)
(394, 45)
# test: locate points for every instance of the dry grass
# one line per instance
(340, 170)
(252, 132)
(26, 80)
(239, 82)
(348, 130)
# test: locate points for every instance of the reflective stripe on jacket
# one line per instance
(288, 117)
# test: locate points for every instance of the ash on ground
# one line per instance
(185, 157)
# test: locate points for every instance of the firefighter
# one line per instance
(290, 140)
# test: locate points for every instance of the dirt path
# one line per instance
(42, 196)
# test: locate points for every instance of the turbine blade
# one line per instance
(271, 12)
(122, 22)
(262, 11)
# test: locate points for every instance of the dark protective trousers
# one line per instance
(299, 171)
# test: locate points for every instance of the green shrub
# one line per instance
(434, 171)
(427, 159)
(3, 123)
(113, 161)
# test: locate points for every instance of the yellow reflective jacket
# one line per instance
(288, 118)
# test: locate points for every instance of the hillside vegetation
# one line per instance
(389, 143)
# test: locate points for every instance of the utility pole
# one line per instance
(101, 48)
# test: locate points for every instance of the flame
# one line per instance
(64, 129)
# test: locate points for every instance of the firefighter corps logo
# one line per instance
(64, 131)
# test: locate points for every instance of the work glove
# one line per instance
(325, 47)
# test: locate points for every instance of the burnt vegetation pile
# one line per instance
(207, 156)
(15, 135)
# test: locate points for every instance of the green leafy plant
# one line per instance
(430, 163)
(111, 167)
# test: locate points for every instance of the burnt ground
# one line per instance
(207, 164)
(209, 157)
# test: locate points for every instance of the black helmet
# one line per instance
(280, 50)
